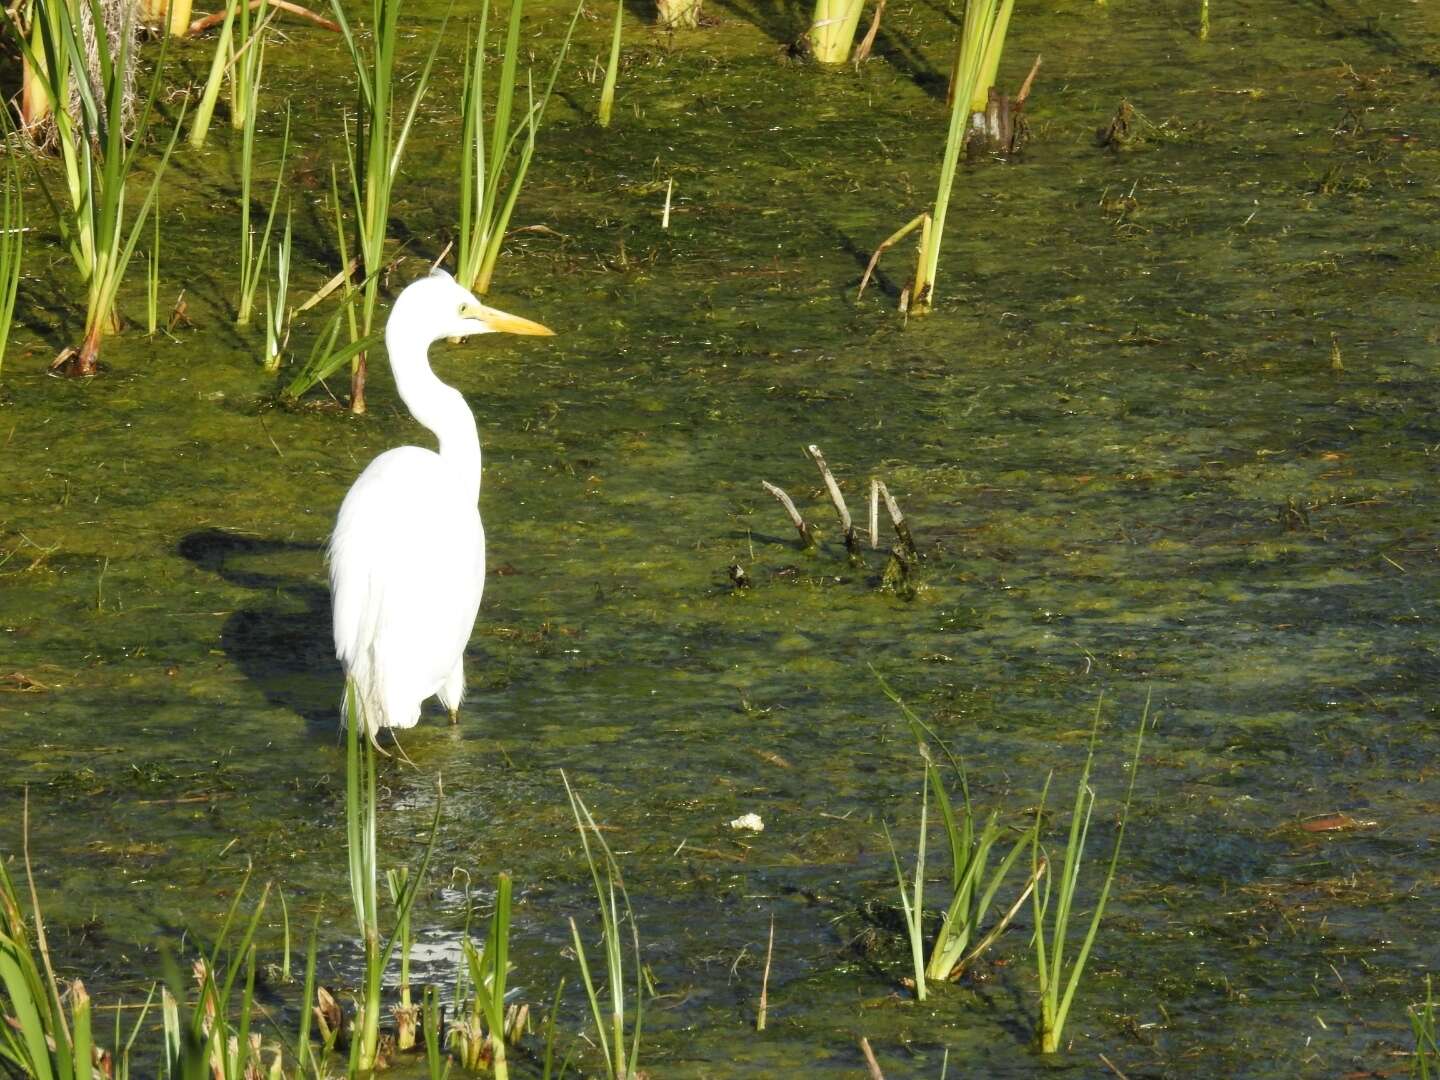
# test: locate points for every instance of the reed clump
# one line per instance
(99, 160)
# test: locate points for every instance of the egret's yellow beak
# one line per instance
(503, 323)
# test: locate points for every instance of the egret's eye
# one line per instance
(461, 311)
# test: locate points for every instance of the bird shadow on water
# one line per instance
(282, 641)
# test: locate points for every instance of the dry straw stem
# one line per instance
(807, 539)
(897, 519)
(870, 1063)
(847, 526)
(765, 980)
(199, 26)
(862, 51)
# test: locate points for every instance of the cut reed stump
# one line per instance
(807, 539)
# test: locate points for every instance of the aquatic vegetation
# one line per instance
(1204, 20)
(12, 249)
(360, 799)
(832, 29)
(977, 59)
(46, 1030)
(247, 63)
(613, 903)
(252, 254)
(277, 312)
(98, 164)
(375, 148)
(912, 900)
(1057, 984)
(152, 277)
(612, 69)
(486, 200)
(479, 1033)
(974, 885)
(1423, 1027)
(210, 93)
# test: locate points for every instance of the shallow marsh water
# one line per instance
(1122, 441)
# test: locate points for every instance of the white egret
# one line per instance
(407, 558)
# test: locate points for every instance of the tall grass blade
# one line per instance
(610, 893)
(912, 900)
(12, 247)
(1058, 984)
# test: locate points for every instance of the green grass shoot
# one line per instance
(613, 903)
(832, 29)
(277, 312)
(912, 899)
(490, 181)
(480, 1035)
(375, 147)
(152, 277)
(12, 248)
(252, 254)
(1422, 1025)
(974, 882)
(97, 162)
(1057, 983)
(612, 69)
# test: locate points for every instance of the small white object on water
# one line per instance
(750, 822)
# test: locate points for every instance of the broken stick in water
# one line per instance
(847, 527)
(897, 519)
(807, 541)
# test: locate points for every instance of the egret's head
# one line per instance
(439, 307)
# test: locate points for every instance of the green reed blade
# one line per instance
(612, 69)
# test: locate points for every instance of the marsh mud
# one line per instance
(1171, 430)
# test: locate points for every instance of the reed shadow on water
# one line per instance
(282, 643)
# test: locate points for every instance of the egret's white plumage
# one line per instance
(407, 558)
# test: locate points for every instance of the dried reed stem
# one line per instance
(897, 519)
(870, 1062)
(806, 539)
(847, 527)
(765, 979)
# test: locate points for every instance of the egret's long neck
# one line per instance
(440, 408)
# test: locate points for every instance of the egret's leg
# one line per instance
(453, 692)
